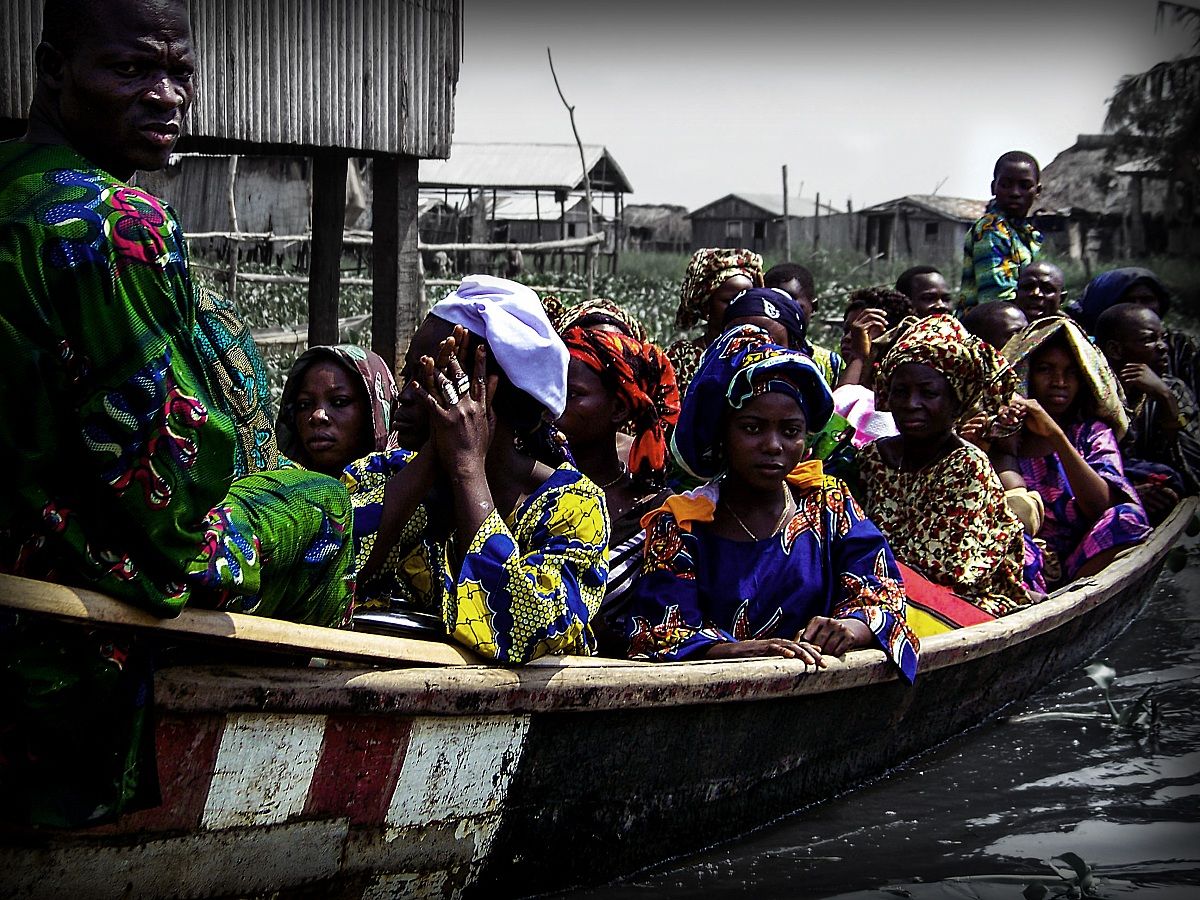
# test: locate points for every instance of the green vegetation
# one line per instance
(648, 285)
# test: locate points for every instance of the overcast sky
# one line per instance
(861, 99)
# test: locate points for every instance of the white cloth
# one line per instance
(856, 404)
(511, 318)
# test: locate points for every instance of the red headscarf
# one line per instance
(645, 380)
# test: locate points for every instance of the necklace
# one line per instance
(783, 516)
(624, 471)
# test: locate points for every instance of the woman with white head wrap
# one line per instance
(488, 521)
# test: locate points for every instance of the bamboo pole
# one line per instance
(589, 253)
(787, 220)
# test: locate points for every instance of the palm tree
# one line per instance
(1159, 109)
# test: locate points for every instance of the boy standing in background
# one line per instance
(1003, 240)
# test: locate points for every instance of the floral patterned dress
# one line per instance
(949, 521)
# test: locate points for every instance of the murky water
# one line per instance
(1054, 776)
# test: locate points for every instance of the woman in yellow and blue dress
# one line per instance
(771, 557)
(486, 519)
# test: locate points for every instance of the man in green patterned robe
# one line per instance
(119, 450)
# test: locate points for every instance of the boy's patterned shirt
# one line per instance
(994, 251)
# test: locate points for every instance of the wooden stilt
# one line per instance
(328, 223)
(397, 297)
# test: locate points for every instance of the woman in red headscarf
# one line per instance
(616, 382)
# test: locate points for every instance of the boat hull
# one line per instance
(484, 781)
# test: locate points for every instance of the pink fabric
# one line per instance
(856, 404)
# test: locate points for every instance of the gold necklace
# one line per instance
(783, 516)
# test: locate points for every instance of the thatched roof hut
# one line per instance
(1092, 176)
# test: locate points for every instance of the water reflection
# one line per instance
(1056, 776)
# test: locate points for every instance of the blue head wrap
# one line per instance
(770, 303)
(740, 364)
(1107, 288)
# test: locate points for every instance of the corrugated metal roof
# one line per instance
(527, 166)
(959, 209)
(522, 207)
(370, 75)
(798, 207)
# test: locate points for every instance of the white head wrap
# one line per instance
(510, 317)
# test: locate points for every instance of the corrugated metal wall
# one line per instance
(371, 75)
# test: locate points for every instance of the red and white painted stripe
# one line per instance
(414, 803)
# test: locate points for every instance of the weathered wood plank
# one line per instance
(230, 629)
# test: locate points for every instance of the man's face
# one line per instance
(1143, 340)
(1015, 187)
(1039, 291)
(806, 303)
(125, 85)
(930, 294)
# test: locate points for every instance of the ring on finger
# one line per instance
(447, 388)
(462, 384)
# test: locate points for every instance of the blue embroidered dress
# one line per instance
(698, 588)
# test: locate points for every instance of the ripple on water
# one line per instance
(1148, 847)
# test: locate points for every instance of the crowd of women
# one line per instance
(546, 479)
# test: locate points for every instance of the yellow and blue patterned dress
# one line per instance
(529, 585)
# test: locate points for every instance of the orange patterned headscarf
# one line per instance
(979, 375)
(645, 379)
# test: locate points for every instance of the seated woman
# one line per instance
(713, 278)
(1067, 449)
(872, 320)
(616, 382)
(773, 557)
(516, 536)
(337, 406)
(935, 496)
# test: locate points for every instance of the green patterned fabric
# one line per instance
(122, 481)
(231, 357)
(128, 410)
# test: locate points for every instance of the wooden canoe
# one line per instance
(450, 778)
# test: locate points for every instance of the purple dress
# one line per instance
(1066, 530)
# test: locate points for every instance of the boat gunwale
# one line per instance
(562, 684)
(436, 680)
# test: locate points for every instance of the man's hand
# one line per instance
(1140, 377)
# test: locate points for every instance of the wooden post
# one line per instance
(1137, 221)
(817, 222)
(397, 294)
(787, 220)
(479, 233)
(325, 268)
(234, 245)
(851, 232)
(891, 248)
(562, 227)
(619, 236)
